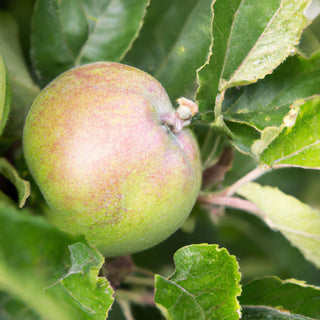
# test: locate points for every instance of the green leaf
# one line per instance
(299, 144)
(6, 202)
(22, 86)
(251, 38)
(91, 293)
(298, 222)
(243, 136)
(267, 102)
(74, 32)
(266, 313)
(310, 39)
(174, 42)
(205, 285)
(265, 105)
(3, 83)
(14, 309)
(5, 95)
(290, 295)
(22, 186)
(40, 268)
(6, 108)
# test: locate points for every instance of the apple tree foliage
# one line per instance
(250, 249)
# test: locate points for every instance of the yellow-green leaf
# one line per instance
(296, 220)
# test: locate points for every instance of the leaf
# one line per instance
(266, 313)
(310, 39)
(39, 266)
(251, 38)
(290, 295)
(5, 96)
(22, 86)
(205, 285)
(74, 32)
(14, 309)
(265, 105)
(22, 186)
(3, 83)
(243, 136)
(6, 202)
(298, 145)
(313, 10)
(298, 222)
(90, 292)
(267, 102)
(174, 42)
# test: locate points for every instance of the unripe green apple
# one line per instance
(99, 143)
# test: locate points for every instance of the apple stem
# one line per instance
(181, 118)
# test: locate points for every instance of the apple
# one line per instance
(112, 157)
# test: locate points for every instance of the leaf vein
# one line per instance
(188, 294)
(228, 44)
(267, 28)
(80, 54)
(297, 152)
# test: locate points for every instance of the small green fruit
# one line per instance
(106, 162)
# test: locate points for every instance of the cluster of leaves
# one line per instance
(253, 68)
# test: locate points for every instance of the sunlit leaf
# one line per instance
(299, 144)
(251, 38)
(205, 285)
(266, 105)
(297, 221)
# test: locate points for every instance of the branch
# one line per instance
(236, 203)
(252, 175)
(245, 205)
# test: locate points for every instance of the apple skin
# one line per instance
(105, 163)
